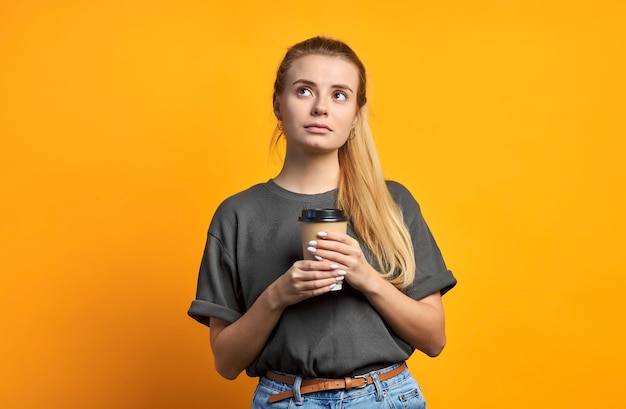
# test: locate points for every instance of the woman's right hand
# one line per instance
(236, 345)
(305, 279)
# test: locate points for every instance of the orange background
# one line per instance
(125, 123)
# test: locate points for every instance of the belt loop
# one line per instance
(377, 385)
(296, 390)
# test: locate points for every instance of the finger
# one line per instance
(330, 250)
(331, 245)
(312, 265)
(317, 275)
(335, 236)
(317, 285)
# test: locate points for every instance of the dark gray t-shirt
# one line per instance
(254, 238)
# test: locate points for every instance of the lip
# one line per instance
(317, 128)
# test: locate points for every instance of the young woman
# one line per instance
(273, 314)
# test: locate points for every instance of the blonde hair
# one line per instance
(363, 193)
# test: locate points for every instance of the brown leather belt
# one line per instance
(317, 385)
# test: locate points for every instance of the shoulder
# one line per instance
(397, 187)
(243, 198)
(401, 195)
(239, 205)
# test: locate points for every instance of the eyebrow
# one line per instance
(312, 84)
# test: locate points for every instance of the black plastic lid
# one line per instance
(322, 215)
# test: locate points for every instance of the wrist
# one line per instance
(374, 283)
(273, 299)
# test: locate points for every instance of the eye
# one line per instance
(340, 96)
(305, 92)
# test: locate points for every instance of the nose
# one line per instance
(319, 108)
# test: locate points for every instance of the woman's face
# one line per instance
(318, 106)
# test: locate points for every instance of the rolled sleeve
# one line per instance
(202, 311)
(431, 273)
(218, 292)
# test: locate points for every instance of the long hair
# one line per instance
(363, 194)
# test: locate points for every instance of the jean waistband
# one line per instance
(310, 385)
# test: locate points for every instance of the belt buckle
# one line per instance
(365, 383)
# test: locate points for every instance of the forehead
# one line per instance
(324, 70)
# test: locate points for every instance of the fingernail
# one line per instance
(339, 278)
(334, 266)
(341, 272)
(318, 258)
(312, 243)
(311, 249)
(322, 234)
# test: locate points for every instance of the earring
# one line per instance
(279, 125)
(352, 134)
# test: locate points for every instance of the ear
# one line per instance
(357, 116)
(276, 105)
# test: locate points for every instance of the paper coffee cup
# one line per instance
(313, 221)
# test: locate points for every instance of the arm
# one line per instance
(236, 345)
(419, 322)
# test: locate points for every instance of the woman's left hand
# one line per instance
(419, 322)
(346, 253)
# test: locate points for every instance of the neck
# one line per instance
(309, 175)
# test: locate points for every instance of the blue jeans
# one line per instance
(400, 392)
